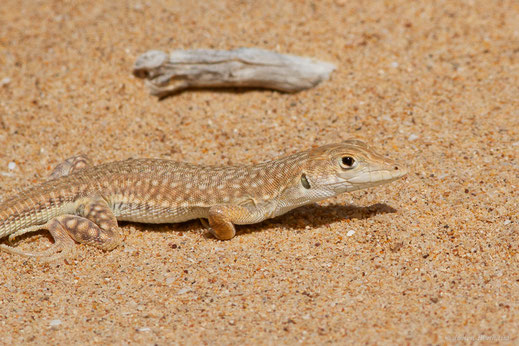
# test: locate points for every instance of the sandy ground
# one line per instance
(430, 259)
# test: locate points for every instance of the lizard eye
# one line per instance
(347, 162)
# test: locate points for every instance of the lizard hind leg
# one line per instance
(70, 165)
(97, 211)
(65, 229)
(86, 232)
(63, 243)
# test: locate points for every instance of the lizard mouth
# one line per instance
(366, 178)
(377, 176)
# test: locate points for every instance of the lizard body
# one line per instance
(83, 203)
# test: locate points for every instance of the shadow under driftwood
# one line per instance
(213, 90)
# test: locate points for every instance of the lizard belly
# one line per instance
(157, 214)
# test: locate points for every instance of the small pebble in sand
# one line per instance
(143, 329)
(412, 137)
(350, 233)
(507, 222)
(55, 323)
(130, 250)
(11, 165)
(5, 81)
(183, 290)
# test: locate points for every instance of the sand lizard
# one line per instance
(83, 203)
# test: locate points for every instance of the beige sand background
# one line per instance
(432, 259)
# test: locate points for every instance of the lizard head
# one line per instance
(347, 166)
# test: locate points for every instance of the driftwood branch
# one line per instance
(244, 67)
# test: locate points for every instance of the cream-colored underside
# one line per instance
(157, 214)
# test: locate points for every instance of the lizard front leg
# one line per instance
(223, 217)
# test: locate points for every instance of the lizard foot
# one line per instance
(63, 243)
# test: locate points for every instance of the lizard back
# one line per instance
(147, 190)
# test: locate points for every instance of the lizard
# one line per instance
(82, 203)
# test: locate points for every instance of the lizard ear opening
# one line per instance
(304, 181)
